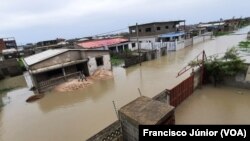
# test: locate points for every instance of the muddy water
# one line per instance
(78, 115)
(220, 105)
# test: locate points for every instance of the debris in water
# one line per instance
(34, 97)
(102, 74)
(75, 84)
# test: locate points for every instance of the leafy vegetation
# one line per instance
(229, 65)
(244, 44)
(221, 33)
(116, 60)
(21, 64)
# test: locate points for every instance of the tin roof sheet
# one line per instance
(43, 56)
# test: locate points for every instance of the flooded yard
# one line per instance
(215, 105)
(79, 114)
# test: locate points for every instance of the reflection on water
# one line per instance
(78, 115)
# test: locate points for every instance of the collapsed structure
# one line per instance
(53, 67)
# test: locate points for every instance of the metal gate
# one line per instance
(180, 92)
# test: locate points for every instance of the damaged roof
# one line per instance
(31, 60)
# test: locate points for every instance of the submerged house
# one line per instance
(52, 67)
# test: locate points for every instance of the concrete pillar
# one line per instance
(116, 47)
(143, 111)
(64, 74)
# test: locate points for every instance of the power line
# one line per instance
(110, 31)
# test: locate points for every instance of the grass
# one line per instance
(221, 33)
(116, 61)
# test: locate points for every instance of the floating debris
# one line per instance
(34, 97)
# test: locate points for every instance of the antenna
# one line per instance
(115, 109)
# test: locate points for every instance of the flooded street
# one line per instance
(215, 105)
(80, 114)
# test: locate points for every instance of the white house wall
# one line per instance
(151, 39)
(106, 62)
(92, 66)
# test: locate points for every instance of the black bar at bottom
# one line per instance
(194, 132)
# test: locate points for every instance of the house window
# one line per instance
(133, 45)
(133, 31)
(99, 61)
(148, 29)
(139, 30)
(173, 26)
(166, 27)
(158, 28)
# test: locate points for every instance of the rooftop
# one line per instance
(163, 22)
(101, 42)
(43, 56)
(144, 110)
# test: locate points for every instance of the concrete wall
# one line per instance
(237, 81)
(197, 39)
(188, 42)
(10, 67)
(197, 77)
(93, 53)
(130, 131)
(202, 38)
(145, 39)
(110, 133)
(92, 66)
(60, 59)
(180, 45)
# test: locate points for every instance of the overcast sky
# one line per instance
(36, 20)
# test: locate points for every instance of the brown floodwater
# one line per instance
(215, 105)
(80, 114)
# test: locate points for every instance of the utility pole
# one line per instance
(137, 40)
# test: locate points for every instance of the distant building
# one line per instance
(149, 32)
(52, 67)
(50, 44)
(118, 44)
(232, 24)
(213, 26)
(7, 43)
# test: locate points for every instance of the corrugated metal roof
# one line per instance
(172, 34)
(43, 56)
(101, 43)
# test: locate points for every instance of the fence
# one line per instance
(171, 46)
(180, 92)
(111, 133)
(52, 82)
